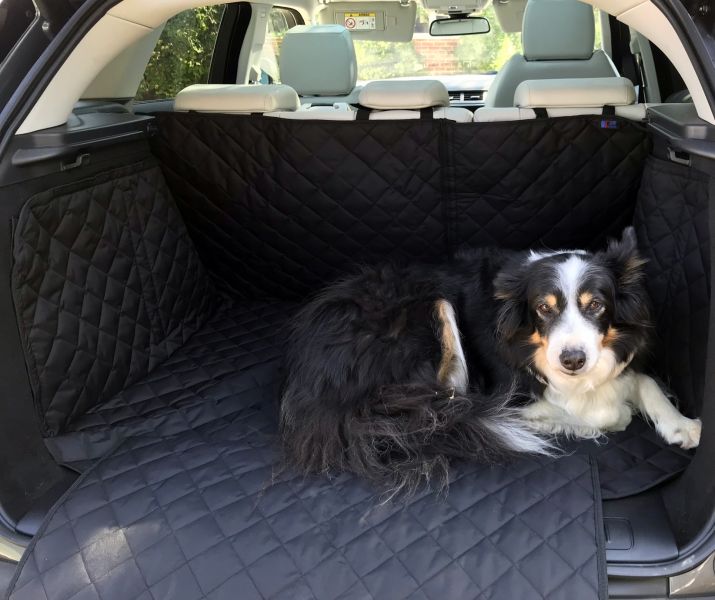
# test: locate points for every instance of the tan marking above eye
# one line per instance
(551, 300)
(585, 298)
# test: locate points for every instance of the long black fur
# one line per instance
(362, 392)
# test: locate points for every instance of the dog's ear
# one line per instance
(623, 258)
(510, 291)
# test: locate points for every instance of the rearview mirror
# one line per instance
(460, 26)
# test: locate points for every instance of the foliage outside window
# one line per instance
(183, 53)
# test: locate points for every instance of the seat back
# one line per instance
(557, 39)
(236, 99)
(405, 99)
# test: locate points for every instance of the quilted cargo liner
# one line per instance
(279, 207)
(180, 497)
(199, 516)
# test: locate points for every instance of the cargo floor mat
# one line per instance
(233, 363)
(205, 516)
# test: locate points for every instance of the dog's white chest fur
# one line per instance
(605, 407)
(582, 408)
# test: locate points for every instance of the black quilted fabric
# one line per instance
(202, 516)
(672, 224)
(554, 183)
(107, 285)
(632, 461)
(232, 363)
(163, 391)
(279, 207)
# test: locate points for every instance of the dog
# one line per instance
(396, 371)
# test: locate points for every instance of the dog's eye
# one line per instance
(543, 309)
(595, 306)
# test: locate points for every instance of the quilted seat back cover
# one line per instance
(279, 207)
(107, 285)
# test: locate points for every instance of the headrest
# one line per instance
(557, 30)
(406, 94)
(232, 98)
(318, 60)
(574, 93)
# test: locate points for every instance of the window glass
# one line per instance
(280, 20)
(183, 53)
(442, 56)
(428, 56)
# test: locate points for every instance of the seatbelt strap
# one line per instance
(541, 112)
(362, 114)
(426, 114)
(608, 111)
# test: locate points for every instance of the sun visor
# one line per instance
(379, 21)
(510, 14)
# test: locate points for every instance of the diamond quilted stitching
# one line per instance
(553, 183)
(672, 224)
(267, 552)
(93, 318)
(314, 200)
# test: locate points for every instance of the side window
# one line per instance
(182, 55)
(280, 20)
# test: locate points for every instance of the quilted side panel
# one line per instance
(671, 221)
(106, 285)
(553, 183)
(194, 516)
(278, 207)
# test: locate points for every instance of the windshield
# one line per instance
(429, 56)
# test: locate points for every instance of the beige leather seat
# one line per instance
(567, 97)
(236, 99)
(557, 39)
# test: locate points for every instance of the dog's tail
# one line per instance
(408, 435)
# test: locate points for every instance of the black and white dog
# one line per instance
(382, 383)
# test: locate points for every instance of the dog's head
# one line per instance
(572, 314)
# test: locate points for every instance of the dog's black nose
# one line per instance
(573, 360)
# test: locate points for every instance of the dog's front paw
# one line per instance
(685, 433)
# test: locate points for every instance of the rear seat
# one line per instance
(568, 97)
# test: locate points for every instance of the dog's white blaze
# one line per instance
(459, 376)
(572, 331)
(534, 255)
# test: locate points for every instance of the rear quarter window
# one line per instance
(183, 53)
